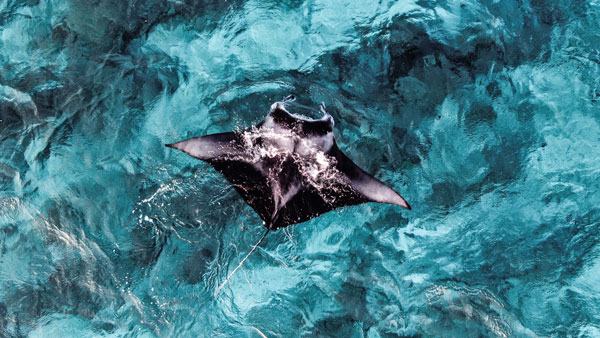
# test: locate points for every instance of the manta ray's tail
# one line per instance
(241, 263)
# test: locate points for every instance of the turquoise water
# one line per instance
(483, 114)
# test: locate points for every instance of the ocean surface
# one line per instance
(484, 115)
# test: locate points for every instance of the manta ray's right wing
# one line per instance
(365, 184)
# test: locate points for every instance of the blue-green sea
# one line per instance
(484, 115)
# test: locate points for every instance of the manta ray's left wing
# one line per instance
(227, 154)
(210, 146)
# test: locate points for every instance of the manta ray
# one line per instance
(289, 168)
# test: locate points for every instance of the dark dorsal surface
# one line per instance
(289, 168)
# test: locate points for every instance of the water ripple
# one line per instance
(484, 114)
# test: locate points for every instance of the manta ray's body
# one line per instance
(288, 168)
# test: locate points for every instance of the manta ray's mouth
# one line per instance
(305, 107)
(291, 101)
